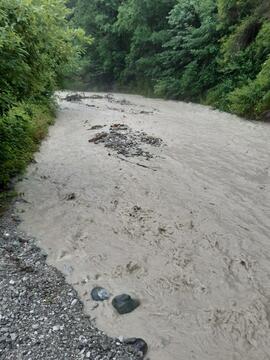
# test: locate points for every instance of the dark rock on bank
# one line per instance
(74, 97)
(125, 304)
(96, 127)
(137, 344)
(97, 138)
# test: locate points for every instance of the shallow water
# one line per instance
(190, 239)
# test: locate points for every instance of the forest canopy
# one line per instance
(215, 52)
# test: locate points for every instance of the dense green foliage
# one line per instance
(37, 47)
(21, 129)
(212, 51)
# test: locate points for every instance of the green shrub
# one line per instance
(37, 47)
(21, 129)
(254, 98)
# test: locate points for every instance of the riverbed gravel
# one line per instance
(41, 316)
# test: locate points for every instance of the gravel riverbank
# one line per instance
(41, 316)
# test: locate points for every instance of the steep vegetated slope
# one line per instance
(210, 51)
(37, 46)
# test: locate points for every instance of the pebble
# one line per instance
(125, 304)
(12, 282)
(100, 294)
(68, 269)
(13, 336)
(74, 302)
(82, 339)
(138, 344)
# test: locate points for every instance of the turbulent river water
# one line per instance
(187, 231)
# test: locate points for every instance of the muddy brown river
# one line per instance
(187, 231)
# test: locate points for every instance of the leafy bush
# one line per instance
(254, 98)
(21, 129)
(37, 47)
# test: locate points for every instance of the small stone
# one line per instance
(68, 269)
(124, 303)
(56, 327)
(88, 354)
(13, 336)
(100, 294)
(70, 196)
(82, 339)
(138, 344)
(73, 97)
(118, 127)
(96, 127)
(6, 234)
(74, 302)
(98, 137)
(12, 282)
(2, 339)
(35, 326)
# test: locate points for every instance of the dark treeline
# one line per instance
(210, 51)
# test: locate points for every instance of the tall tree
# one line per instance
(212, 51)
